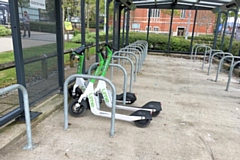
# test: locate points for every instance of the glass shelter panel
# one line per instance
(182, 30)
(38, 35)
(205, 27)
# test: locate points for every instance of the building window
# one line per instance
(155, 13)
(183, 14)
(155, 28)
(150, 28)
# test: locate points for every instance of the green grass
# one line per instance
(6, 57)
(8, 77)
(44, 49)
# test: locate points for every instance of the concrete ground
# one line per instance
(200, 121)
(36, 39)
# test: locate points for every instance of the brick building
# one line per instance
(160, 21)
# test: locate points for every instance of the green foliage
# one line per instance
(43, 27)
(23, 3)
(50, 8)
(76, 32)
(169, 12)
(235, 48)
(4, 31)
(90, 37)
(92, 24)
(160, 41)
(77, 38)
(111, 8)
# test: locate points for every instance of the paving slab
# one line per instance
(200, 120)
(36, 39)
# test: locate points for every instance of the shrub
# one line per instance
(77, 38)
(43, 27)
(93, 25)
(4, 31)
(160, 41)
(76, 32)
(89, 38)
(235, 48)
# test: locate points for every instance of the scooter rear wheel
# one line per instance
(155, 114)
(76, 111)
(142, 123)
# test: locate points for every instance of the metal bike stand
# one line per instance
(134, 46)
(124, 80)
(132, 68)
(29, 145)
(221, 64)
(129, 51)
(140, 47)
(136, 69)
(205, 54)
(212, 57)
(145, 44)
(196, 45)
(230, 74)
(137, 46)
(65, 94)
(134, 50)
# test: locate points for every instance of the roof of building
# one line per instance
(181, 4)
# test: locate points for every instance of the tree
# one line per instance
(169, 12)
(206, 19)
(224, 18)
(23, 4)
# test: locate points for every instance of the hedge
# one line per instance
(43, 27)
(93, 25)
(4, 31)
(160, 41)
(90, 37)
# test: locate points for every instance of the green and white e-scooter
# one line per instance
(152, 106)
(77, 107)
(74, 90)
(77, 110)
(80, 84)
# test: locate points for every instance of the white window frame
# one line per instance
(155, 27)
(155, 13)
(150, 28)
(183, 14)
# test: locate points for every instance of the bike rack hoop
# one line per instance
(136, 70)
(29, 145)
(221, 64)
(230, 74)
(124, 81)
(65, 94)
(212, 57)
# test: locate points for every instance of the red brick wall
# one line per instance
(205, 21)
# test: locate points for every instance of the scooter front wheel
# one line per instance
(78, 92)
(75, 110)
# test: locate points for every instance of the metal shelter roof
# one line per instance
(181, 4)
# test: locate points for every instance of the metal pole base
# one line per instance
(30, 147)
